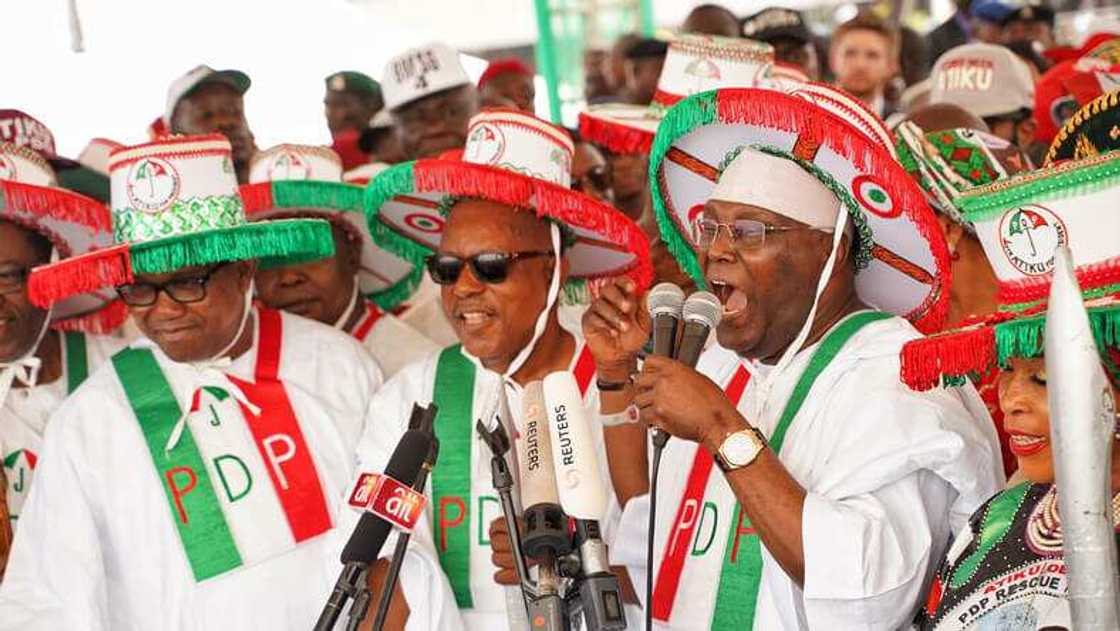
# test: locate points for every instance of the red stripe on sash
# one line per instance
(672, 564)
(584, 370)
(373, 314)
(280, 439)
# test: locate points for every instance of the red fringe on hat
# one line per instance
(57, 203)
(813, 123)
(95, 270)
(459, 179)
(257, 197)
(100, 322)
(1089, 277)
(926, 360)
(614, 137)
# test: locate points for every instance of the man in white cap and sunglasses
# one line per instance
(191, 481)
(500, 242)
(804, 487)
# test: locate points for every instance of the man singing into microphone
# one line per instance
(190, 481)
(500, 241)
(805, 486)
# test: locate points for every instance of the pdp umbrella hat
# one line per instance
(73, 223)
(1021, 222)
(510, 158)
(175, 204)
(837, 146)
(289, 181)
(694, 63)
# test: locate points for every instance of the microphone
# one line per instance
(702, 312)
(546, 526)
(583, 496)
(371, 531)
(664, 303)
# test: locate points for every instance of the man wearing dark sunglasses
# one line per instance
(41, 366)
(200, 471)
(501, 263)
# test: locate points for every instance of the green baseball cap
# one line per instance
(353, 81)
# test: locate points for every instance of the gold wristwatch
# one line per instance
(739, 449)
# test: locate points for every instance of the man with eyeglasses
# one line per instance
(192, 481)
(804, 485)
(45, 354)
(501, 242)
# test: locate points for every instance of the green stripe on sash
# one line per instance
(451, 478)
(737, 597)
(77, 363)
(203, 531)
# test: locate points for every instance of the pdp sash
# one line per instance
(453, 393)
(200, 517)
(741, 574)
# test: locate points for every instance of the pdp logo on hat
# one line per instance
(1029, 237)
(288, 165)
(153, 184)
(7, 168)
(419, 72)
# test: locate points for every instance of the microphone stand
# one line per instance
(386, 598)
(351, 583)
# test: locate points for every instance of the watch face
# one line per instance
(738, 450)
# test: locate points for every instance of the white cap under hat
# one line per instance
(421, 71)
(778, 185)
(196, 76)
(985, 79)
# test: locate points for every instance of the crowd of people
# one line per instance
(205, 345)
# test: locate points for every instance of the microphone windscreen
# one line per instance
(665, 299)
(404, 466)
(579, 480)
(534, 450)
(703, 306)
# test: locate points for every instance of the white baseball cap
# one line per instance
(195, 77)
(985, 79)
(419, 72)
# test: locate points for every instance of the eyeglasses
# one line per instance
(488, 267)
(744, 233)
(13, 279)
(181, 290)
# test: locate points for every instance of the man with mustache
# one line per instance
(207, 101)
(348, 291)
(45, 354)
(501, 245)
(836, 487)
(191, 481)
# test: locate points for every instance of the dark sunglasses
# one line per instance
(595, 179)
(181, 290)
(488, 267)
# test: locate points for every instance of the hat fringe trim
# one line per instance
(300, 239)
(1029, 290)
(57, 204)
(389, 299)
(614, 137)
(948, 358)
(89, 272)
(100, 322)
(1059, 181)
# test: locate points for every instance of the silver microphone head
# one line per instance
(704, 307)
(665, 299)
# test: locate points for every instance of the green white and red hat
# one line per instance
(289, 181)
(175, 204)
(948, 162)
(694, 63)
(73, 223)
(901, 256)
(1021, 221)
(510, 158)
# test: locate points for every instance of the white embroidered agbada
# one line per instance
(105, 540)
(25, 411)
(392, 343)
(463, 546)
(890, 474)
